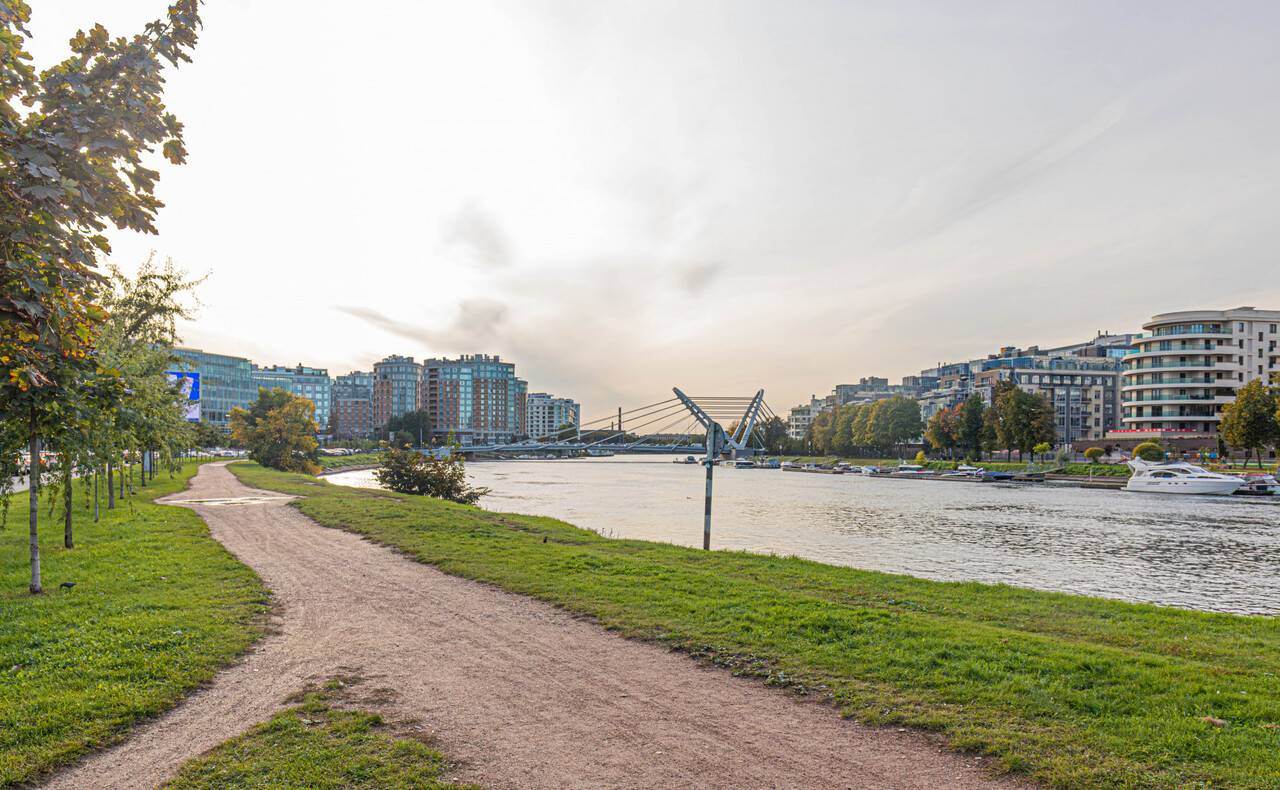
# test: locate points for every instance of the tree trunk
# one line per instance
(35, 512)
(66, 502)
(111, 487)
(143, 458)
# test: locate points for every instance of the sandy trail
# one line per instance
(522, 694)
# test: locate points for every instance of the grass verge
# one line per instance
(1075, 692)
(318, 746)
(158, 606)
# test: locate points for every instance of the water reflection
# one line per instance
(1212, 553)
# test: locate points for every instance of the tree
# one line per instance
(71, 164)
(442, 476)
(773, 434)
(1149, 451)
(901, 420)
(278, 430)
(821, 432)
(403, 438)
(1018, 420)
(1250, 421)
(1041, 449)
(842, 436)
(970, 428)
(415, 423)
(1093, 454)
(943, 429)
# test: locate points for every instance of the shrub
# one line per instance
(443, 477)
(1093, 454)
(1149, 451)
(921, 457)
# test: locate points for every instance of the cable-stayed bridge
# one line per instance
(676, 425)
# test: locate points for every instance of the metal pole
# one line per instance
(706, 524)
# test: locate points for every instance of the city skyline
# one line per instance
(719, 197)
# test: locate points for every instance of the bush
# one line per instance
(443, 477)
(1093, 454)
(921, 457)
(1149, 451)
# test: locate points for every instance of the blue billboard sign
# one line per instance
(189, 384)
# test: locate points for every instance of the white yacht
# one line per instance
(1178, 477)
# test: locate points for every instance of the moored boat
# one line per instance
(1178, 477)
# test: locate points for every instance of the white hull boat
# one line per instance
(1178, 477)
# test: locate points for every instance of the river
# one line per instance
(1199, 552)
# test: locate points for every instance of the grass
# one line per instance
(317, 746)
(1074, 692)
(328, 462)
(157, 608)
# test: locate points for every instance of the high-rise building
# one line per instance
(313, 384)
(226, 383)
(1187, 365)
(398, 387)
(546, 415)
(477, 398)
(353, 405)
(356, 384)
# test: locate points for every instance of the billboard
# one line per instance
(189, 383)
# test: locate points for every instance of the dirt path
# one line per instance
(522, 694)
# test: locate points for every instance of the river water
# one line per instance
(1214, 553)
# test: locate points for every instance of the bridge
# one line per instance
(668, 426)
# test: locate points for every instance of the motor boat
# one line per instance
(744, 463)
(1178, 477)
(1258, 484)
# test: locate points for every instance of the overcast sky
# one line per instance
(622, 197)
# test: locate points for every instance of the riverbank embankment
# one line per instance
(1075, 692)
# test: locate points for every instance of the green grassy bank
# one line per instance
(1075, 692)
(158, 606)
(327, 748)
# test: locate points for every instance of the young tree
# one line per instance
(442, 476)
(1041, 449)
(1250, 421)
(1093, 454)
(71, 164)
(279, 431)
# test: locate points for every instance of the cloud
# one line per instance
(696, 277)
(476, 324)
(471, 236)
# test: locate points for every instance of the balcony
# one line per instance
(1176, 383)
(1150, 398)
(1209, 330)
(1190, 363)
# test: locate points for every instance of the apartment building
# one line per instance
(399, 386)
(1186, 366)
(478, 398)
(546, 415)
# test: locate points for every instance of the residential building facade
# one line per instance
(1187, 365)
(399, 386)
(546, 414)
(801, 417)
(478, 398)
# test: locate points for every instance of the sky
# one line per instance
(625, 197)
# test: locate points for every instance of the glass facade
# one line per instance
(226, 383)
